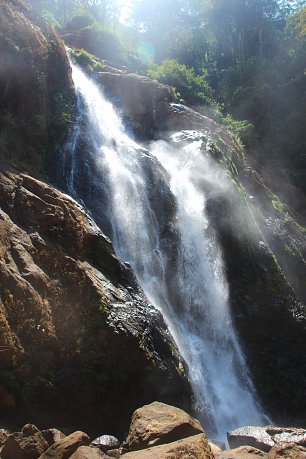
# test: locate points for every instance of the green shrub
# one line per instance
(194, 89)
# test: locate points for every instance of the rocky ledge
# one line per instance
(157, 431)
(76, 332)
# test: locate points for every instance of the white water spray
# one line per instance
(192, 293)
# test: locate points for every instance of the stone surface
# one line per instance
(289, 451)
(243, 452)
(214, 448)
(87, 452)
(64, 448)
(195, 447)
(106, 442)
(158, 423)
(35, 86)
(264, 438)
(27, 444)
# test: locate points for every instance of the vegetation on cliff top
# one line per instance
(245, 57)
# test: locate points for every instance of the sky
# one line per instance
(125, 6)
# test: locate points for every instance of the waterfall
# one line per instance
(154, 204)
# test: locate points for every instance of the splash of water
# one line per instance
(185, 280)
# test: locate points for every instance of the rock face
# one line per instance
(158, 423)
(36, 92)
(70, 328)
(264, 438)
(144, 103)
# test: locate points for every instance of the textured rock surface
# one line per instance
(158, 423)
(27, 444)
(265, 438)
(243, 452)
(66, 316)
(36, 93)
(195, 447)
(64, 448)
(290, 451)
(144, 103)
(86, 452)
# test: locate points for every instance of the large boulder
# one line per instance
(64, 448)
(158, 423)
(195, 447)
(264, 438)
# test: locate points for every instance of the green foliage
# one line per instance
(242, 128)
(191, 87)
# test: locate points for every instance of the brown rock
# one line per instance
(288, 451)
(158, 423)
(87, 452)
(65, 447)
(215, 448)
(195, 447)
(27, 444)
(243, 452)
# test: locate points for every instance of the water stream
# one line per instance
(155, 206)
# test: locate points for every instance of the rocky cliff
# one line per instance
(36, 92)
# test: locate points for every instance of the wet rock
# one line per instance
(195, 447)
(64, 448)
(243, 452)
(106, 442)
(265, 438)
(158, 423)
(145, 103)
(27, 444)
(289, 451)
(86, 452)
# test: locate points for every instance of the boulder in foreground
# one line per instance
(157, 424)
(195, 447)
(64, 448)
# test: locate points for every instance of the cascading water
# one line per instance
(184, 277)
